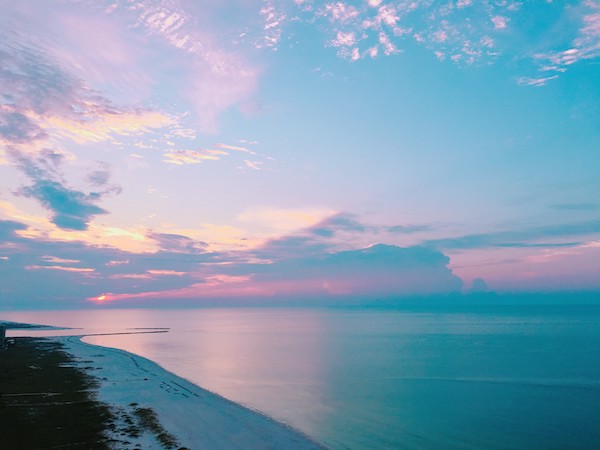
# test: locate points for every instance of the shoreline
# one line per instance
(195, 417)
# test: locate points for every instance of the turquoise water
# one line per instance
(488, 377)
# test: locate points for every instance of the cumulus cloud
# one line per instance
(377, 272)
(183, 268)
(479, 285)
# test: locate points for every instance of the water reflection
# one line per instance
(385, 379)
(244, 355)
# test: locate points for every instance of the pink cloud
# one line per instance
(109, 58)
(254, 165)
(544, 270)
(214, 90)
(61, 268)
(340, 12)
(440, 36)
(272, 29)
(441, 27)
(214, 76)
(233, 147)
(388, 47)
(387, 15)
(182, 157)
(344, 39)
(463, 3)
(167, 273)
(55, 260)
(130, 276)
(500, 22)
(379, 270)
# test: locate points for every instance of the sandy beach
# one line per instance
(194, 417)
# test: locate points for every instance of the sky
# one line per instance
(190, 151)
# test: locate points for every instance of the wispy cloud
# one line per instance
(526, 237)
(55, 260)
(178, 244)
(166, 273)
(273, 20)
(85, 270)
(325, 233)
(104, 125)
(16, 127)
(283, 220)
(182, 157)
(219, 152)
(584, 46)
(350, 223)
(254, 165)
(234, 147)
(540, 81)
(576, 206)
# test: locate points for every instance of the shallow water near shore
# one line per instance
(469, 377)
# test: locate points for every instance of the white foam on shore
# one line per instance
(196, 417)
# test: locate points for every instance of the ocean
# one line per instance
(494, 377)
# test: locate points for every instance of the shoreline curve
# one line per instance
(196, 417)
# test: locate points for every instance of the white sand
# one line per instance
(195, 416)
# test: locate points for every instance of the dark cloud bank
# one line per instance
(43, 273)
(40, 273)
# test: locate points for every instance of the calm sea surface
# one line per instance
(489, 377)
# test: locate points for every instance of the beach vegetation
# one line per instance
(46, 402)
(148, 420)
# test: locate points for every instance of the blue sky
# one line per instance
(198, 150)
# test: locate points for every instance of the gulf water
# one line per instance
(512, 377)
